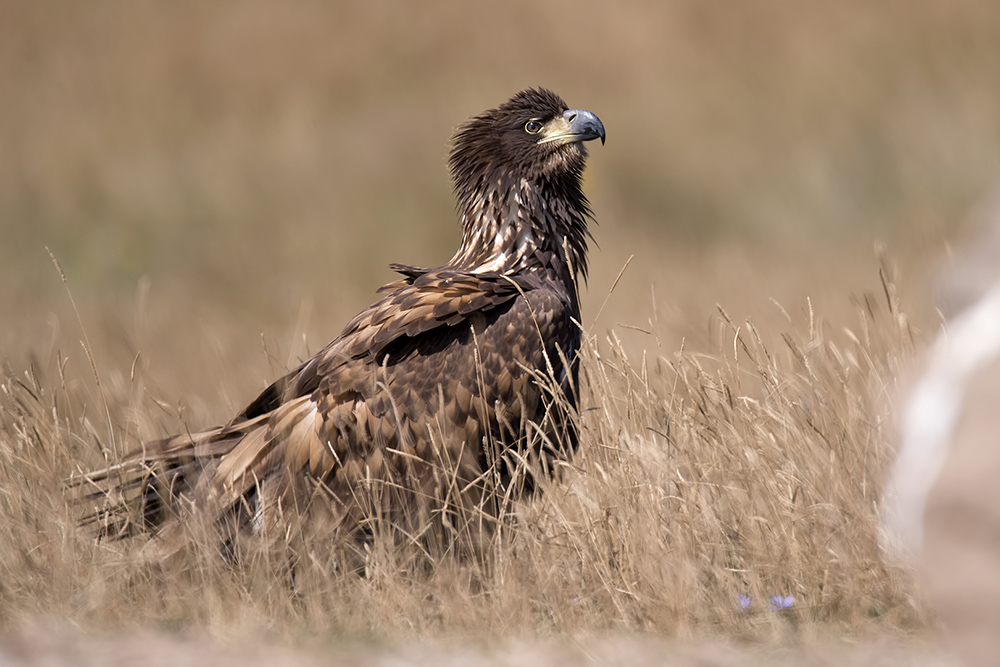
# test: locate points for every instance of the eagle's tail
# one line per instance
(162, 481)
(233, 475)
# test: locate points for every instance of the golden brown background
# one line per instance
(224, 184)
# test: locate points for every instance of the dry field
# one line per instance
(223, 184)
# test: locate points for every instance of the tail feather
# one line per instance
(152, 485)
(213, 472)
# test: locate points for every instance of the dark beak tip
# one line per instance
(586, 123)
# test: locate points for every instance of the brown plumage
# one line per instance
(435, 399)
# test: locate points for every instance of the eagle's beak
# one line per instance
(574, 126)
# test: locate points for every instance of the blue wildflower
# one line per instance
(779, 602)
(744, 602)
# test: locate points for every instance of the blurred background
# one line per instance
(225, 183)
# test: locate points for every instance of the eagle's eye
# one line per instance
(532, 127)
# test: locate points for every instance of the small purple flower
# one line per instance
(779, 602)
(744, 602)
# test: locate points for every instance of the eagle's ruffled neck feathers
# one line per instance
(512, 224)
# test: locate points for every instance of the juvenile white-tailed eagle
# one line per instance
(457, 381)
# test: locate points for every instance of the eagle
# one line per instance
(438, 403)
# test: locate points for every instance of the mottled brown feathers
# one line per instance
(438, 397)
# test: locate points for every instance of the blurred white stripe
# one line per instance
(970, 341)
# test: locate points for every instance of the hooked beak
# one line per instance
(574, 126)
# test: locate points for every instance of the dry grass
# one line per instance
(702, 475)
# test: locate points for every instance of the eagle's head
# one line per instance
(532, 136)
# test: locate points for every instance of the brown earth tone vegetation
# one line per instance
(224, 184)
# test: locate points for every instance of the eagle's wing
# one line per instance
(412, 388)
